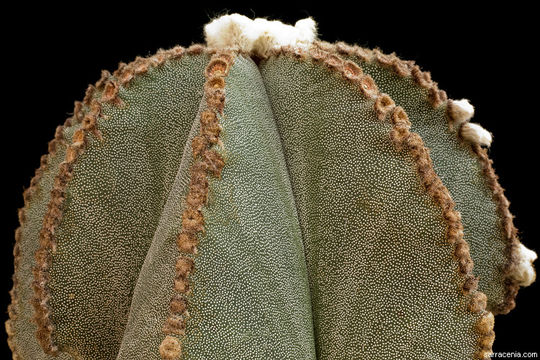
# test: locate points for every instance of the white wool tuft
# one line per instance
(476, 134)
(258, 36)
(227, 31)
(524, 271)
(461, 110)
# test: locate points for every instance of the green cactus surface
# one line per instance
(264, 201)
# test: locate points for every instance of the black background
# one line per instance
(52, 53)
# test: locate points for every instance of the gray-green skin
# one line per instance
(320, 241)
(461, 173)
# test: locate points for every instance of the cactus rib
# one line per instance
(209, 162)
(413, 144)
(499, 304)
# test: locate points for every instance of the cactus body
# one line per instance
(264, 197)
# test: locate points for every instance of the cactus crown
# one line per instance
(268, 195)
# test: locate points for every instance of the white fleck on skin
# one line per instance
(476, 134)
(258, 36)
(524, 271)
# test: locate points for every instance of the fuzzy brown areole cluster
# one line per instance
(53, 217)
(503, 207)
(51, 220)
(140, 66)
(206, 162)
(400, 67)
(53, 145)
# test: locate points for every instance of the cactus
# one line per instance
(265, 196)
